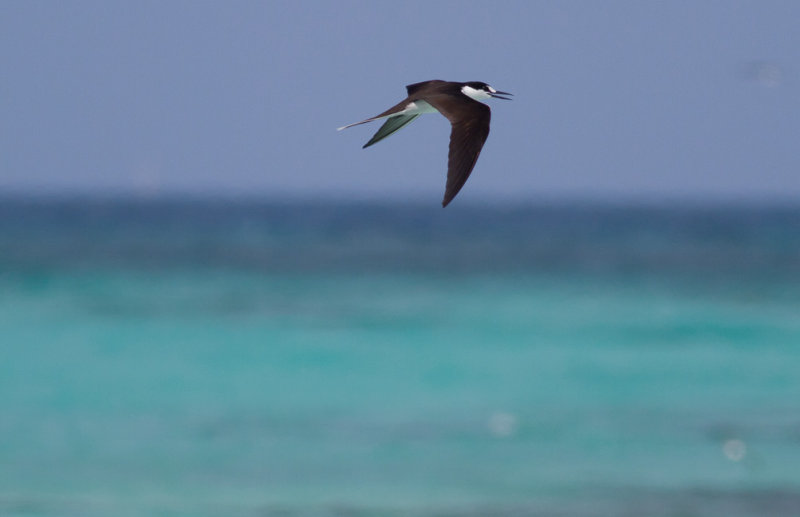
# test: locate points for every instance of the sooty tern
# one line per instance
(458, 102)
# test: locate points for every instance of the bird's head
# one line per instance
(482, 91)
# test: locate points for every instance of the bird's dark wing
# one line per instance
(470, 128)
(413, 88)
(391, 125)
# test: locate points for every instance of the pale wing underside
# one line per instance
(392, 125)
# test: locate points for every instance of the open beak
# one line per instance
(499, 95)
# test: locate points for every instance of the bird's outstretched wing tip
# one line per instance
(353, 124)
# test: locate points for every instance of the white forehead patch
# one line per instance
(491, 89)
(476, 94)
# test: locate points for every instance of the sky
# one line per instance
(615, 99)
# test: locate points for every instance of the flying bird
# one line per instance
(460, 104)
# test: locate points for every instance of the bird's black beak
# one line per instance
(499, 95)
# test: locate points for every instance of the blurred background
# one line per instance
(213, 303)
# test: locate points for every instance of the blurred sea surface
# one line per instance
(176, 357)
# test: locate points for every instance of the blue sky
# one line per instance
(634, 99)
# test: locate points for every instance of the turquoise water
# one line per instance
(213, 358)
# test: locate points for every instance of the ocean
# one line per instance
(176, 357)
